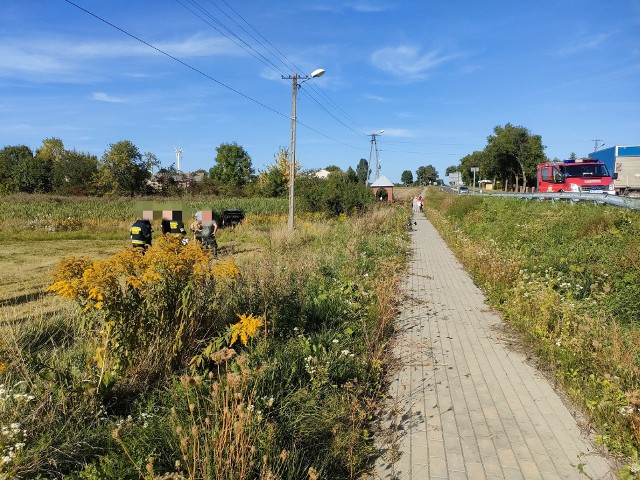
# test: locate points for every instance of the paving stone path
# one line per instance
(464, 404)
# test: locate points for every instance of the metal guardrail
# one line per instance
(601, 198)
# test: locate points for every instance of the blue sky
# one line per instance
(436, 76)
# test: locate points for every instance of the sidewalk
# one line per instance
(465, 406)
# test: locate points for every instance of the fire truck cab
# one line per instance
(584, 175)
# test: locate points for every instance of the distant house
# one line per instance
(181, 180)
(383, 183)
(454, 179)
(486, 184)
(322, 173)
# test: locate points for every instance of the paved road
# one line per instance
(465, 404)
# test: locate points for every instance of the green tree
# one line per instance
(426, 174)
(51, 149)
(15, 169)
(451, 169)
(406, 177)
(476, 159)
(363, 171)
(122, 170)
(233, 165)
(573, 156)
(46, 159)
(151, 161)
(21, 171)
(272, 183)
(334, 196)
(352, 176)
(515, 153)
(74, 173)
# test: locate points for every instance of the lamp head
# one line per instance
(317, 73)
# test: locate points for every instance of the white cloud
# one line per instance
(103, 97)
(398, 132)
(68, 59)
(408, 62)
(376, 98)
(583, 43)
(361, 7)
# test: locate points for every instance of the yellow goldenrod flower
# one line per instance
(245, 329)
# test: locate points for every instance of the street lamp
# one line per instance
(292, 160)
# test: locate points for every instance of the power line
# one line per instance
(328, 112)
(422, 153)
(249, 49)
(178, 60)
(432, 143)
(204, 74)
(281, 57)
(337, 107)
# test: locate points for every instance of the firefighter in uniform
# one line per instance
(176, 228)
(140, 233)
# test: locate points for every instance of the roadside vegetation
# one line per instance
(567, 278)
(265, 363)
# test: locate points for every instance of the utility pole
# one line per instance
(596, 146)
(292, 161)
(374, 144)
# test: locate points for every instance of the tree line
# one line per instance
(124, 170)
(425, 175)
(509, 159)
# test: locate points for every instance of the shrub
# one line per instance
(145, 306)
(334, 196)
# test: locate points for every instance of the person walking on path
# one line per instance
(463, 404)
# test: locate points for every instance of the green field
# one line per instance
(268, 361)
(178, 365)
(567, 277)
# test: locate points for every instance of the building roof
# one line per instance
(322, 173)
(382, 182)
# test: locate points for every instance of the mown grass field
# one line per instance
(264, 363)
(567, 277)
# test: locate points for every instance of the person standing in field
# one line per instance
(141, 232)
(196, 225)
(204, 231)
(176, 228)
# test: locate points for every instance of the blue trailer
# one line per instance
(625, 162)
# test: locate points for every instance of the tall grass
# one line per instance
(37, 217)
(566, 276)
(154, 375)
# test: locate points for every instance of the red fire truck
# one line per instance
(584, 175)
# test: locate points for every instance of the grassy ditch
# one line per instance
(265, 363)
(567, 276)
